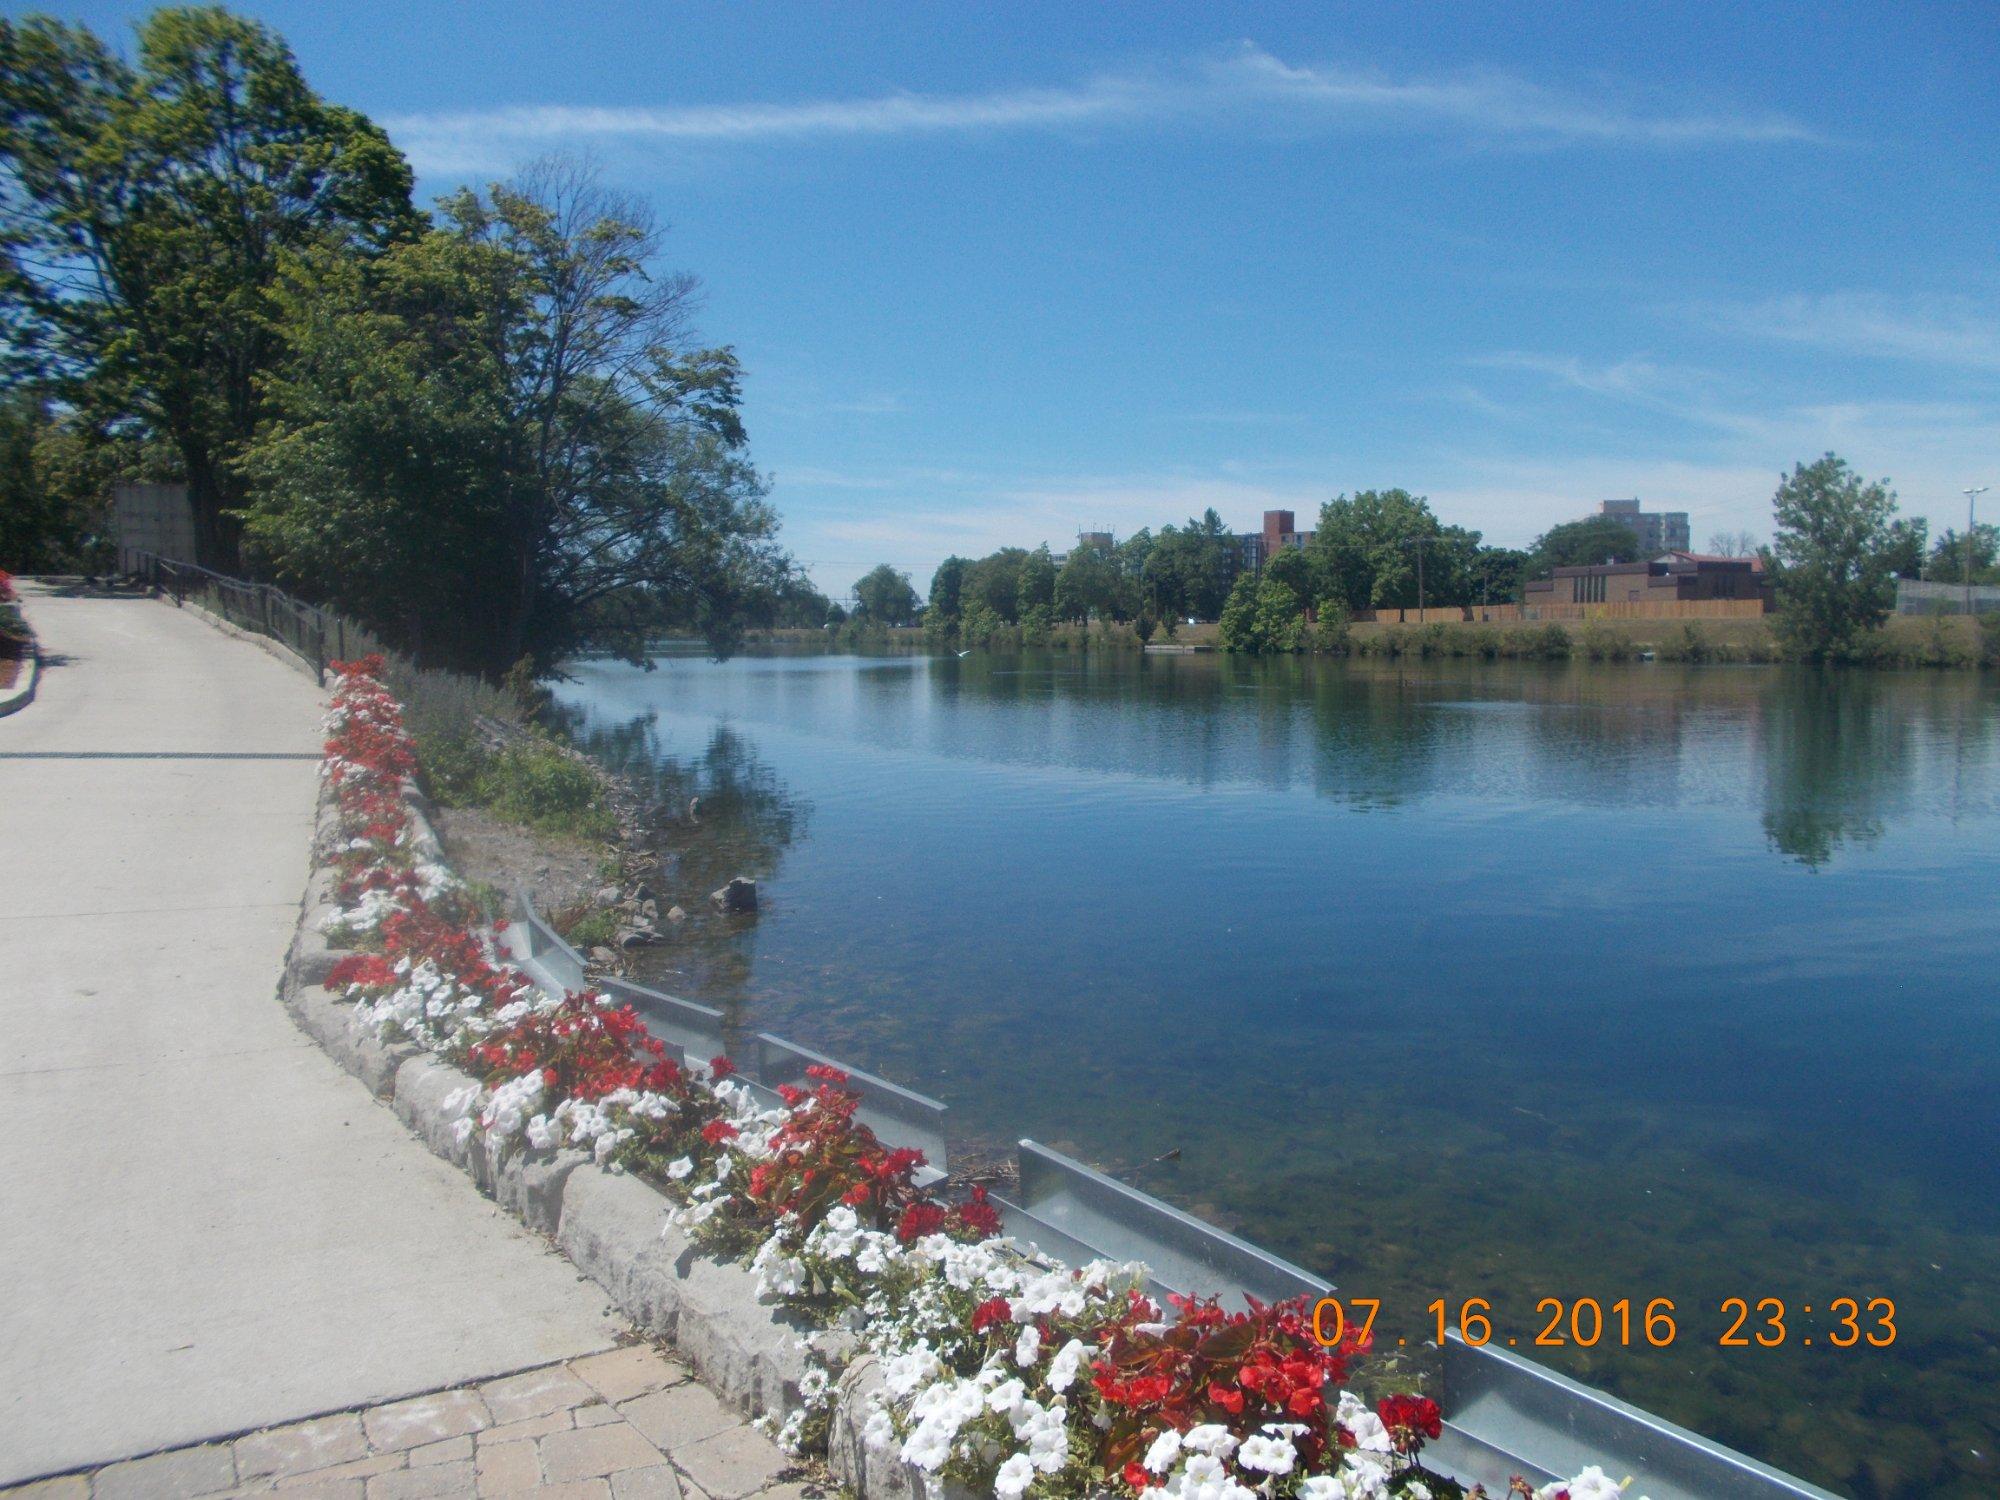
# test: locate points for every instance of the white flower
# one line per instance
(1062, 1369)
(878, 1431)
(1592, 1484)
(1028, 1347)
(1211, 1438)
(1266, 1455)
(1166, 1448)
(1014, 1477)
(679, 1169)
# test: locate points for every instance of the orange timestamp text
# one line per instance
(1587, 1322)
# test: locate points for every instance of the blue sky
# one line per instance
(998, 274)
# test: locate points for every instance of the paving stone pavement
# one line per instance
(629, 1424)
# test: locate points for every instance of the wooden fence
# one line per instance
(1510, 614)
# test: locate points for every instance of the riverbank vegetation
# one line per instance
(1837, 552)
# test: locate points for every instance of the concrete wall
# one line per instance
(154, 518)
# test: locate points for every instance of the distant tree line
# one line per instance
(490, 432)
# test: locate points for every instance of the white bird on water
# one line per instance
(965, 653)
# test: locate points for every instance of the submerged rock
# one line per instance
(739, 895)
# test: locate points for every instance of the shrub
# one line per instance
(1685, 644)
(1602, 643)
(1333, 632)
(1989, 640)
(532, 781)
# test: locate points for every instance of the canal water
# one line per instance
(1448, 980)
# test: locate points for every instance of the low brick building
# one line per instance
(1671, 577)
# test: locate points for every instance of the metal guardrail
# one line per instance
(316, 636)
(1085, 1207)
(1503, 1415)
(1506, 1414)
(897, 1115)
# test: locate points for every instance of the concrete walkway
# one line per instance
(624, 1425)
(205, 1226)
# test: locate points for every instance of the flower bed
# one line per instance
(17, 639)
(999, 1369)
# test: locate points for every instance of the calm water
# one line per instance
(1446, 980)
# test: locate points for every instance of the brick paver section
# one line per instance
(630, 1424)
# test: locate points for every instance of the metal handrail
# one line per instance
(316, 636)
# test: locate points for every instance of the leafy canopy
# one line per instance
(145, 210)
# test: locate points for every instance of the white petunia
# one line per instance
(1014, 1477)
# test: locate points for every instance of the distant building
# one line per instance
(1255, 548)
(1658, 531)
(1670, 577)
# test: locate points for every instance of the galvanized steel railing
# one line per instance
(1503, 1415)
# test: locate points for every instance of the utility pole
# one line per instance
(1418, 542)
(1971, 499)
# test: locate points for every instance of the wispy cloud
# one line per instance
(1936, 330)
(1485, 105)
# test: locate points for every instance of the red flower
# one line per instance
(824, 1073)
(1136, 1475)
(1410, 1419)
(1227, 1397)
(919, 1219)
(992, 1310)
(715, 1132)
(721, 1067)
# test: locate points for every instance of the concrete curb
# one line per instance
(22, 693)
(612, 1226)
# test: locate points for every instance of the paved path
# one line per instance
(628, 1424)
(205, 1226)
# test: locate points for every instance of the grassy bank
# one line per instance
(479, 747)
(1954, 641)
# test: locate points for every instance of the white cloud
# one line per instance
(1486, 105)
(1935, 330)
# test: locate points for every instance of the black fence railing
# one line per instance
(315, 636)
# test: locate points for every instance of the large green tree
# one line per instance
(507, 426)
(885, 596)
(1189, 569)
(1370, 547)
(1833, 562)
(1588, 543)
(145, 209)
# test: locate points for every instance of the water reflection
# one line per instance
(1448, 979)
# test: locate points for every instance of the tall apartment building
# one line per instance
(1280, 531)
(1658, 531)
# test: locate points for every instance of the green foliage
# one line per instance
(1599, 642)
(585, 927)
(1588, 543)
(1262, 615)
(1333, 632)
(948, 589)
(1685, 644)
(1369, 548)
(152, 203)
(1188, 570)
(1091, 583)
(1950, 558)
(885, 596)
(497, 439)
(54, 476)
(1988, 648)
(534, 782)
(1908, 540)
(1832, 562)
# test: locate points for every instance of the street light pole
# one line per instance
(1971, 499)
